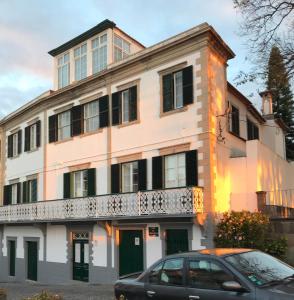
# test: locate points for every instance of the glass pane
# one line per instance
(77, 52)
(86, 253)
(15, 144)
(125, 101)
(179, 89)
(95, 43)
(127, 178)
(117, 41)
(84, 67)
(117, 54)
(85, 183)
(78, 187)
(77, 253)
(172, 272)
(66, 58)
(103, 38)
(14, 194)
(78, 69)
(126, 47)
(154, 274)
(84, 49)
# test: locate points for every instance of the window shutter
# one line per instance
(115, 179)
(34, 191)
(133, 103)
(25, 192)
(157, 172)
(116, 108)
(66, 185)
(19, 193)
(10, 146)
(76, 120)
(53, 128)
(188, 85)
(19, 136)
(38, 138)
(142, 166)
(91, 182)
(7, 195)
(103, 111)
(168, 92)
(27, 139)
(191, 168)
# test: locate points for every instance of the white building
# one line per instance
(130, 157)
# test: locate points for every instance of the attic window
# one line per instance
(122, 48)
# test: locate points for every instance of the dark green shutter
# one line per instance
(76, 120)
(91, 182)
(66, 185)
(115, 179)
(10, 146)
(34, 192)
(19, 193)
(38, 138)
(133, 103)
(27, 143)
(103, 111)
(25, 192)
(168, 92)
(12, 256)
(188, 85)
(19, 139)
(191, 168)
(142, 166)
(116, 108)
(53, 136)
(157, 172)
(7, 195)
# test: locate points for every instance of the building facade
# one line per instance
(132, 156)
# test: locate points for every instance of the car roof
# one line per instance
(218, 252)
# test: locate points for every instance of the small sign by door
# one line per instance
(137, 241)
(153, 231)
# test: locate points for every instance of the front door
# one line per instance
(81, 260)
(176, 241)
(130, 251)
(32, 261)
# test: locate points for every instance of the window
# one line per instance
(122, 48)
(205, 274)
(130, 177)
(14, 144)
(99, 53)
(91, 116)
(175, 170)
(32, 136)
(252, 131)
(63, 70)
(14, 194)
(32, 190)
(80, 184)
(80, 55)
(177, 89)
(234, 121)
(124, 106)
(172, 272)
(64, 126)
(155, 273)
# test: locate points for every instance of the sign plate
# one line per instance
(153, 231)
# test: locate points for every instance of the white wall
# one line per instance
(99, 246)
(56, 243)
(153, 247)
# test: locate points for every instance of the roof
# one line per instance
(106, 24)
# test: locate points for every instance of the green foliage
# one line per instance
(45, 296)
(248, 230)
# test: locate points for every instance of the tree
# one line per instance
(283, 103)
(267, 23)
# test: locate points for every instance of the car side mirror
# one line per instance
(233, 286)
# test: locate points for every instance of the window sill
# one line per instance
(34, 150)
(63, 141)
(128, 124)
(174, 111)
(237, 136)
(90, 133)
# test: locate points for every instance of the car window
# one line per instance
(154, 274)
(206, 274)
(172, 272)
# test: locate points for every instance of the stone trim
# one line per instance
(15, 130)
(34, 121)
(79, 167)
(173, 68)
(174, 149)
(91, 98)
(128, 85)
(14, 181)
(129, 157)
(31, 177)
(63, 108)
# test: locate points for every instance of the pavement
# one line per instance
(74, 291)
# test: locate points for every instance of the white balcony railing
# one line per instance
(178, 201)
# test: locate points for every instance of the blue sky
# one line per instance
(30, 28)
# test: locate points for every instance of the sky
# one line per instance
(31, 28)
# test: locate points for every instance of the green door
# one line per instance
(32, 260)
(12, 249)
(176, 241)
(81, 260)
(130, 251)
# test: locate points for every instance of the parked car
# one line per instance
(211, 274)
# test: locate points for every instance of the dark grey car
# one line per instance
(225, 274)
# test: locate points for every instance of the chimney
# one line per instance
(267, 103)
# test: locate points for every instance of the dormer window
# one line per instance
(122, 48)
(80, 55)
(99, 53)
(63, 70)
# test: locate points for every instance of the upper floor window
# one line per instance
(12, 194)
(235, 120)
(80, 184)
(175, 170)
(252, 131)
(130, 177)
(30, 191)
(122, 48)
(64, 125)
(124, 106)
(14, 144)
(177, 89)
(91, 116)
(99, 53)
(80, 56)
(63, 70)
(32, 136)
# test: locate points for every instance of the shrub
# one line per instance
(45, 296)
(248, 230)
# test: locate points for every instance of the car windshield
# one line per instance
(260, 268)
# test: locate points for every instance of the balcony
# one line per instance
(156, 203)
